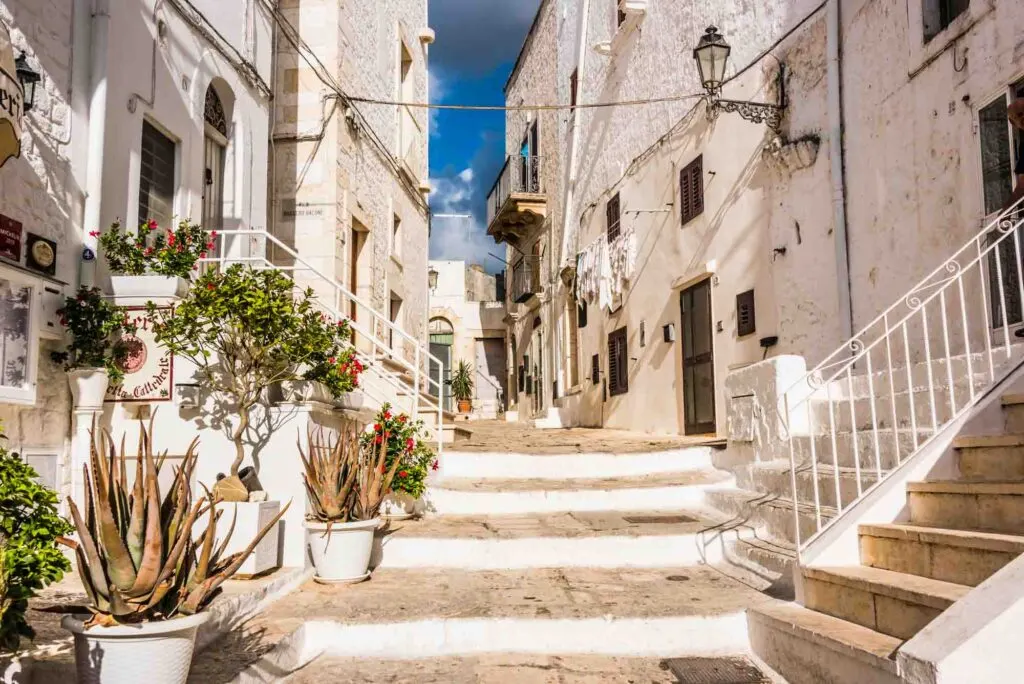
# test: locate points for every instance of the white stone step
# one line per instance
(845, 417)
(892, 603)
(561, 466)
(1013, 411)
(600, 539)
(893, 447)
(991, 506)
(774, 477)
(993, 458)
(660, 491)
(960, 556)
(770, 514)
(808, 647)
(417, 614)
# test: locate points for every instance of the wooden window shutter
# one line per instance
(618, 363)
(613, 218)
(574, 81)
(691, 190)
(746, 323)
(595, 369)
(581, 314)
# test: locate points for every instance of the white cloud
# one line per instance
(460, 238)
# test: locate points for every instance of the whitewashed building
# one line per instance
(467, 323)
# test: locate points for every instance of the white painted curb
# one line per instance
(651, 551)
(626, 637)
(574, 466)
(672, 497)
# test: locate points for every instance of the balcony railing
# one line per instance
(525, 279)
(519, 175)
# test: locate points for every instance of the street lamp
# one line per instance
(712, 57)
(28, 77)
(432, 278)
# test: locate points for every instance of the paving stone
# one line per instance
(501, 437)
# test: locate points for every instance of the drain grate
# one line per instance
(715, 671)
(656, 519)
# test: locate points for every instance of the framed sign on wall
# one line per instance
(148, 368)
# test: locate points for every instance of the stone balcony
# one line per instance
(518, 201)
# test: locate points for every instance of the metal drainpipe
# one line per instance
(836, 152)
(97, 135)
(570, 186)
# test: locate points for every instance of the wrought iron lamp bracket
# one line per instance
(756, 112)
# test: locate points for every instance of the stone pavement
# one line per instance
(500, 436)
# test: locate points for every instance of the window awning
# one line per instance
(11, 100)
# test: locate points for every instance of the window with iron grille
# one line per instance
(156, 176)
(618, 363)
(611, 211)
(939, 14)
(691, 190)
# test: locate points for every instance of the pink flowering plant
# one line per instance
(150, 250)
(335, 364)
(404, 445)
(97, 328)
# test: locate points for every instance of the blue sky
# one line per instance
(476, 47)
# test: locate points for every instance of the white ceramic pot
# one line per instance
(341, 555)
(248, 519)
(137, 290)
(151, 652)
(351, 401)
(88, 387)
(399, 506)
(305, 391)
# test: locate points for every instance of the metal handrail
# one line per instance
(889, 332)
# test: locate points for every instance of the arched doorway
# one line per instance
(215, 143)
(442, 337)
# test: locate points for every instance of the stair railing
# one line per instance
(251, 247)
(921, 364)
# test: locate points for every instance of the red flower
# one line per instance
(376, 427)
(209, 245)
(331, 360)
(435, 465)
(213, 233)
(378, 440)
(149, 251)
(409, 444)
(403, 473)
(170, 239)
(151, 224)
(202, 255)
(94, 233)
(387, 415)
(211, 286)
(402, 418)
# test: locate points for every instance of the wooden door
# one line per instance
(698, 359)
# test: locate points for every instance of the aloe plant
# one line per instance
(346, 481)
(138, 556)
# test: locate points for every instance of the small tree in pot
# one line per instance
(347, 480)
(462, 386)
(144, 563)
(405, 444)
(94, 355)
(245, 330)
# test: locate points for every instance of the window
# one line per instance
(572, 349)
(581, 313)
(611, 211)
(939, 14)
(618, 363)
(574, 82)
(18, 341)
(156, 176)
(595, 369)
(396, 238)
(691, 190)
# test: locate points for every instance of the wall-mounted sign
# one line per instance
(40, 254)
(11, 100)
(10, 238)
(148, 368)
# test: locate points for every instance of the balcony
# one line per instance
(525, 279)
(518, 201)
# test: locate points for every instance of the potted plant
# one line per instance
(331, 374)
(29, 532)
(347, 481)
(245, 330)
(416, 459)
(153, 264)
(93, 357)
(462, 386)
(148, 567)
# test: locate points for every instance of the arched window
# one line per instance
(441, 331)
(213, 113)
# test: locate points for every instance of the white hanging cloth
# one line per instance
(603, 270)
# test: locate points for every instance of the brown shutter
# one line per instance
(612, 216)
(745, 321)
(595, 369)
(573, 85)
(691, 190)
(618, 363)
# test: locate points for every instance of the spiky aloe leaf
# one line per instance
(152, 559)
(137, 526)
(88, 554)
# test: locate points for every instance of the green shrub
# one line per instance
(29, 557)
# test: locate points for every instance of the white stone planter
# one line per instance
(341, 555)
(305, 391)
(350, 401)
(88, 387)
(137, 290)
(399, 506)
(249, 519)
(151, 652)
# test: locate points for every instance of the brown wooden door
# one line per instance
(698, 359)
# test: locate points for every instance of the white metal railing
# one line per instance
(921, 364)
(368, 344)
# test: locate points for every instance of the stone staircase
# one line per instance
(540, 559)
(960, 532)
